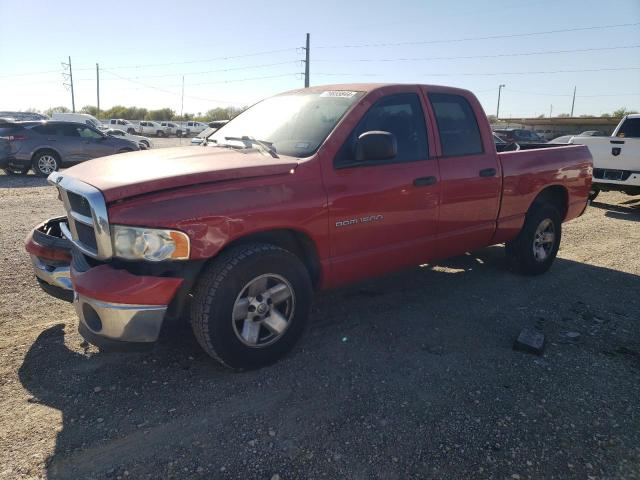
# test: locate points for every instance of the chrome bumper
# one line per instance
(56, 275)
(124, 323)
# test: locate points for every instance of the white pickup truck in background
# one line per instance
(616, 159)
(147, 127)
(121, 124)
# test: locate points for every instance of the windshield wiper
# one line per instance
(268, 146)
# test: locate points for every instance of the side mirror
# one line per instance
(376, 145)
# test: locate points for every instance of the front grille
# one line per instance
(607, 174)
(79, 204)
(86, 235)
(88, 224)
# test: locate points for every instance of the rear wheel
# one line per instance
(535, 248)
(46, 162)
(251, 305)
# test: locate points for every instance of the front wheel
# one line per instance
(535, 248)
(45, 163)
(251, 305)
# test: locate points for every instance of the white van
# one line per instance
(79, 118)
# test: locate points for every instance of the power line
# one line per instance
(466, 57)
(220, 70)
(539, 72)
(201, 60)
(170, 92)
(489, 37)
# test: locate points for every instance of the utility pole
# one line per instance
(306, 63)
(182, 102)
(573, 103)
(550, 110)
(98, 88)
(70, 84)
(500, 87)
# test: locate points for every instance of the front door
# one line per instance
(383, 214)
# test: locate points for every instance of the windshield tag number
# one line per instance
(338, 93)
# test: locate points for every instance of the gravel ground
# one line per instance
(408, 376)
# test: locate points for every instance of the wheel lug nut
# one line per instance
(269, 301)
(259, 298)
(252, 308)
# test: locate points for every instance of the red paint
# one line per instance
(218, 196)
(46, 253)
(108, 284)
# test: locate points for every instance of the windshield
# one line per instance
(294, 124)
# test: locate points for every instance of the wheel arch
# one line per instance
(556, 195)
(46, 149)
(295, 241)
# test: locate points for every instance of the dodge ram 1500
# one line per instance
(307, 190)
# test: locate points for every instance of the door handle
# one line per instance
(425, 181)
(488, 172)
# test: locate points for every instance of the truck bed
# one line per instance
(525, 171)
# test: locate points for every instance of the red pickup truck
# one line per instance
(307, 190)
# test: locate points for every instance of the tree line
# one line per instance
(136, 113)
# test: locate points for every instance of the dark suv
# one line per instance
(47, 146)
(519, 135)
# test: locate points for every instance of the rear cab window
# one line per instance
(457, 125)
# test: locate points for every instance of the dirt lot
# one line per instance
(409, 376)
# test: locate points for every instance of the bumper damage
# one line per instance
(114, 306)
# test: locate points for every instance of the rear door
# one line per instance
(382, 215)
(470, 175)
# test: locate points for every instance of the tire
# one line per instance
(528, 253)
(178, 133)
(145, 143)
(45, 162)
(131, 131)
(225, 287)
(160, 133)
(593, 193)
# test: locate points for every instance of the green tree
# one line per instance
(60, 109)
(90, 109)
(621, 112)
(161, 114)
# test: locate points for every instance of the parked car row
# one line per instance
(144, 127)
(46, 146)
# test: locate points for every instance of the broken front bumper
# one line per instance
(113, 305)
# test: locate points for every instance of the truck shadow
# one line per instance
(629, 210)
(388, 336)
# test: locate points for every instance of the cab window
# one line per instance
(400, 114)
(457, 125)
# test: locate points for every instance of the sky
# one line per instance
(235, 53)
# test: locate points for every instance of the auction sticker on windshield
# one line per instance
(338, 93)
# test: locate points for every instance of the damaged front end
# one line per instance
(50, 255)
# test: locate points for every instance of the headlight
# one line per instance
(133, 243)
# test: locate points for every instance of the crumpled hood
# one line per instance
(136, 173)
